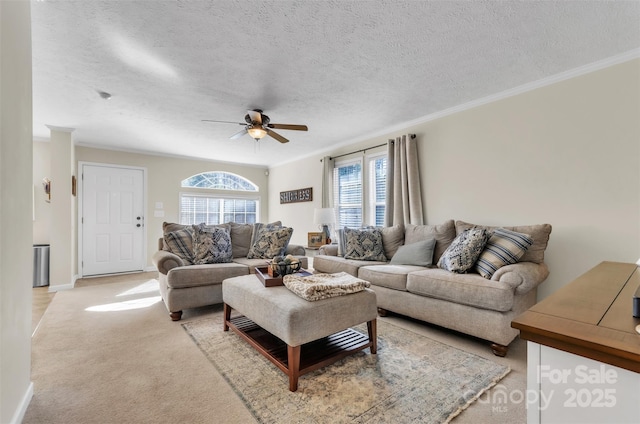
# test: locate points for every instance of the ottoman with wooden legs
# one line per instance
(297, 335)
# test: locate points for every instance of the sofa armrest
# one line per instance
(295, 250)
(328, 250)
(165, 260)
(522, 276)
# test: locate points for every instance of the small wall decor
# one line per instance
(73, 185)
(294, 196)
(46, 183)
(316, 239)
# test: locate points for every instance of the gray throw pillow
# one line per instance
(364, 245)
(463, 253)
(419, 254)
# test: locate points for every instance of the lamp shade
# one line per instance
(324, 216)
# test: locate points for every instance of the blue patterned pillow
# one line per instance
(211, 245)
(364, 245)
(180, 243)
(503, 248)
(464, 251)
(270, 243)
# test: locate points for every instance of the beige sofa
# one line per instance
(184, 285)
(465, 302)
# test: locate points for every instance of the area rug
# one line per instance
(411, 379)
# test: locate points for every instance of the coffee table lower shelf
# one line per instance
(298, 360)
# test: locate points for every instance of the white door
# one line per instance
(112, 219)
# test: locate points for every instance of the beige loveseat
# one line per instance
(184, 285)
(465, 302)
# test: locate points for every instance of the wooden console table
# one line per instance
(590, 317)
(583, 353)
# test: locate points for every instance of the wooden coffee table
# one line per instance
(296, 335)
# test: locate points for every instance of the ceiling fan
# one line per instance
(258, 125)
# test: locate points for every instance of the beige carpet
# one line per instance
(107, 352)
(411, 379)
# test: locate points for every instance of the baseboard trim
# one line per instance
(18, 416)
(61, 287)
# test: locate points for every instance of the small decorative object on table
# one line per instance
(283, 265)
(316, 239)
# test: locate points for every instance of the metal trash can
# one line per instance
(40, 265)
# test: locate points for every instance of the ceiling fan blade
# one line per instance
(224, 122)
(238, 134)
(255, 116)
(289, 127)
(277, 136)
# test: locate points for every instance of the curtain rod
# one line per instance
(363, 150)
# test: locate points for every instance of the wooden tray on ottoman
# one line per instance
(268, 281)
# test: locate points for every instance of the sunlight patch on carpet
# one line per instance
(126, 305)
(412, 378)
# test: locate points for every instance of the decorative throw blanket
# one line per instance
(324, 286)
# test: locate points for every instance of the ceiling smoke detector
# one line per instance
(104, 95)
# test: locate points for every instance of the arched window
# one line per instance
(197, 207)
(219, 181)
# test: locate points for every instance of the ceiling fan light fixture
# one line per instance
(257, 132)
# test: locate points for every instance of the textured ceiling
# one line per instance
(347, 69)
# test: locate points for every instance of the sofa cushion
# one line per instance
(503, 248)
(467, 289)
(211, 244)
(390, 276)
(539, 233)
(333, 264)
(203, 275)
(180, 243)
(270, 242)
(241, 239)
(444, 234)
(419, 253)
(365, 244)
(392, 239)
(463, 253)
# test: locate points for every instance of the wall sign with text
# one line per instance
(294, 196)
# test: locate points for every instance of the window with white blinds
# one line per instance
(347, 183)
(196, 208)
(360, 200)
(378, 185)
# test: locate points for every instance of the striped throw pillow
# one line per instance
(503, 248)
(180, 243)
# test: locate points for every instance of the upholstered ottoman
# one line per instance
(315, 333)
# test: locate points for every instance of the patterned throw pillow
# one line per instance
(180, 243)
(259, 226)
(464, 251)
(364, 245)
(503, 248)
(270, 242)
(211, 245)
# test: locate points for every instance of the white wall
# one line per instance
(42, 209)
(16, 253)
(567, 154)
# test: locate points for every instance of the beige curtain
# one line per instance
(404, 195)
(327, 182)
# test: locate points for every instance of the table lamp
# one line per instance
(325, 217)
